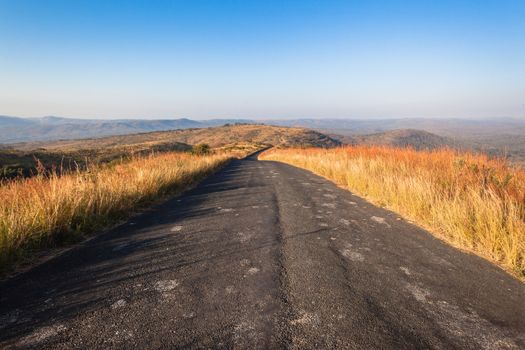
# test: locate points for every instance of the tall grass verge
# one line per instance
(469, 200)
(49, 210)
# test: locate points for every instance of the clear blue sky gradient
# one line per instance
(262, 59)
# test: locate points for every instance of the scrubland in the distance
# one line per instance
(48, 210)
(469, 200)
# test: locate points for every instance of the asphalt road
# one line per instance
(264, 255)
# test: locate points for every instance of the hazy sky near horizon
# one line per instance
(262, 59)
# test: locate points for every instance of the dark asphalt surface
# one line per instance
(264, 255)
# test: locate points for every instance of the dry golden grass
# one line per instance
(44, 211)
(471, 201)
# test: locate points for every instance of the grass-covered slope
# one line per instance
(46, 211)
(469, 200)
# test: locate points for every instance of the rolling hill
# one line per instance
(449, 127)
(214, 136)
(417, 139)
(21, 157)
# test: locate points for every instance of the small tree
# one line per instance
(201, 148)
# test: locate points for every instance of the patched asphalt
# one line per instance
(264, 255)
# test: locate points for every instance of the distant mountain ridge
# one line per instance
(15, 129)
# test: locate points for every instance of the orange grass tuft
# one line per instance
(47, 210)
(469, 200)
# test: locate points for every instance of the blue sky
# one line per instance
(262, 59)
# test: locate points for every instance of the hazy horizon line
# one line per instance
(262, 118)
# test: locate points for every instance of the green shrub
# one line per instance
(201, 148)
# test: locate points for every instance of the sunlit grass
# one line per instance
(49, 210)
(471, 201)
